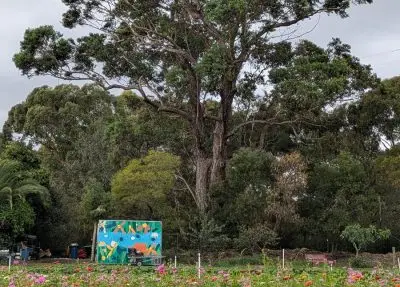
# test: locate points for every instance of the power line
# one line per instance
(380, 53)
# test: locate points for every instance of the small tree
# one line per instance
(360, 237)
(256, 238)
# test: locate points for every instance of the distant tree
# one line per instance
(95, 205)
(360, 237)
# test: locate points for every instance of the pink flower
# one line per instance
(41, 279)
(161, 269)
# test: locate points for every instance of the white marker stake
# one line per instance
(175, 262)
(199, 271)
(9, 263)
(398, 262)
(283, 258)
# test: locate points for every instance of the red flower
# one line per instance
(308, 283)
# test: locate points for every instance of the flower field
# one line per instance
(97, 275)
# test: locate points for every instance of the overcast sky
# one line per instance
(372, 31)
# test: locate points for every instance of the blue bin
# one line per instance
(25, 253)
(73, 250)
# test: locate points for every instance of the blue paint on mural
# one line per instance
(117, 239)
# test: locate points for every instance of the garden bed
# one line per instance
(270, 274)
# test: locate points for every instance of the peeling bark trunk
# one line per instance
(202, 176)
(211, 164)
(219, 149)
(219, 154)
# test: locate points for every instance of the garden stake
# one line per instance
(199, 271)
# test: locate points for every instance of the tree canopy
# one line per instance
(179, 55)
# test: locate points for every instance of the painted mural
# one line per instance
(118, 239)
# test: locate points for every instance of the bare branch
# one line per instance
(268, 122)
(181, 178)
(274, 26)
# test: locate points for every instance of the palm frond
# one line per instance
(34, 189)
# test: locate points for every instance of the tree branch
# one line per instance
(270, 122)
(188, 187)
(277, 25)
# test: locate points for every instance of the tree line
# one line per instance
(232, 138)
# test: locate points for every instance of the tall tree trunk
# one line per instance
(219, 149)
(210, 169)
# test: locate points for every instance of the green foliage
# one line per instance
(57, 51)
(360, 237)
(17, 151)
(16, 213)
(95, 201)
(379, 112)
(54, 117)
(145, 182)
(388, 167)
(249, 176)
(250, 167)
(340, 193)
(14, 187)
(19, 219)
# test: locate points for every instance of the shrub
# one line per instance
(256, 238)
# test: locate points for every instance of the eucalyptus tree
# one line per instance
(177, 55)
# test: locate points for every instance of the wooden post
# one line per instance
(398, 263)
(199, 267)
(283, 258)
(394, 256)
(92, 254)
